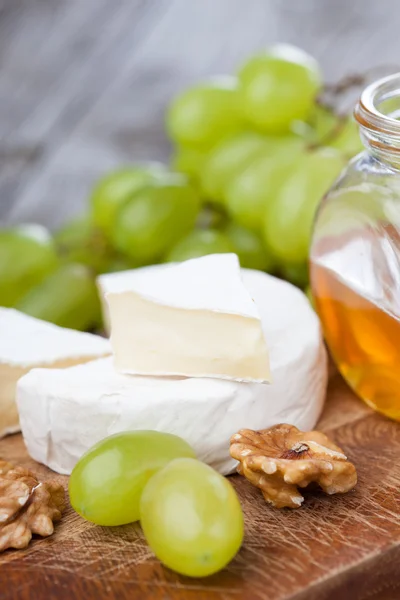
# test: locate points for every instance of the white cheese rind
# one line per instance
(63, 413)
(26, 341)
(211, 282)
(195, 319)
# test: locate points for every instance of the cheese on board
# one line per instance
(64, 412)
(195, 319)
(25, 343)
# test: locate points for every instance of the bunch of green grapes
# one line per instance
(253, 156)
(263, 151)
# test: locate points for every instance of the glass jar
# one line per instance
(355, 255)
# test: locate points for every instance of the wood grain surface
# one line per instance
(83, 88)
(333, 548)
(84, 84)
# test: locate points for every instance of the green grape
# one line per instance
(157, 217)
(362, 205)
(227, 159)
(211, 216)
(199, 243)
(191, 518)
(279, 87)
(79, 241)
(323, 123)
(68, 297)
(27, 255)
(249, 195)
(348, 139)
(304, 130)
(115, 189)
(119, 263)
(106, 484)
(290, 217)
(250, 248)
(328, 128)
(296, 274)
(204, 114)
(74, 234)
(189, 161)
(309, 294)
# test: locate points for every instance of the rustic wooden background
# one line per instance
(84, 83)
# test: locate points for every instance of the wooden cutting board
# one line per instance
(333, 548)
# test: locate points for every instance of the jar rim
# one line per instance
(368, 112)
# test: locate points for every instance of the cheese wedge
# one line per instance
(26, 343)
(64, 412)
(193, 319)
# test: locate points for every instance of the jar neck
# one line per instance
(377, 114)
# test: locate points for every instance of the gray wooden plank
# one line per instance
(68, 76)
(115, 110)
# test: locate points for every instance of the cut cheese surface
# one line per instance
(194, 319)
(119, 282)
(26, 343)
(64, 412)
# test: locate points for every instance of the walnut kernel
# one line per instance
(26, 506)
(281, 459)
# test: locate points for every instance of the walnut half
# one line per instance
(282, 458)
(26, 506)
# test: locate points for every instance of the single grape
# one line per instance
(191, 518)
(119, 263)
(27, 255)
(348, 139)
(330, 129)
(297, 274)
(199, 243)
(323, 122)
(279, 87)
(203, 115)
(67, 297)
(74, 234)
(227, 159)
(79, 241)
(107, 482)
(250, 248)
(304, 130)
(189, 161)
(158, 216)
(115, 189)
(250, 193)
(290, 217)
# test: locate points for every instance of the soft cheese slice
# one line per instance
(26, 343)
(63, 413)
(119, 282)
(195, 319)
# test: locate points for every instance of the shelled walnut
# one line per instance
(281, 459)
(27, 506)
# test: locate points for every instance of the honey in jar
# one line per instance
(355, 256)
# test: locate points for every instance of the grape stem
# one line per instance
(341, 119)
(334, 92)
(212, 215)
